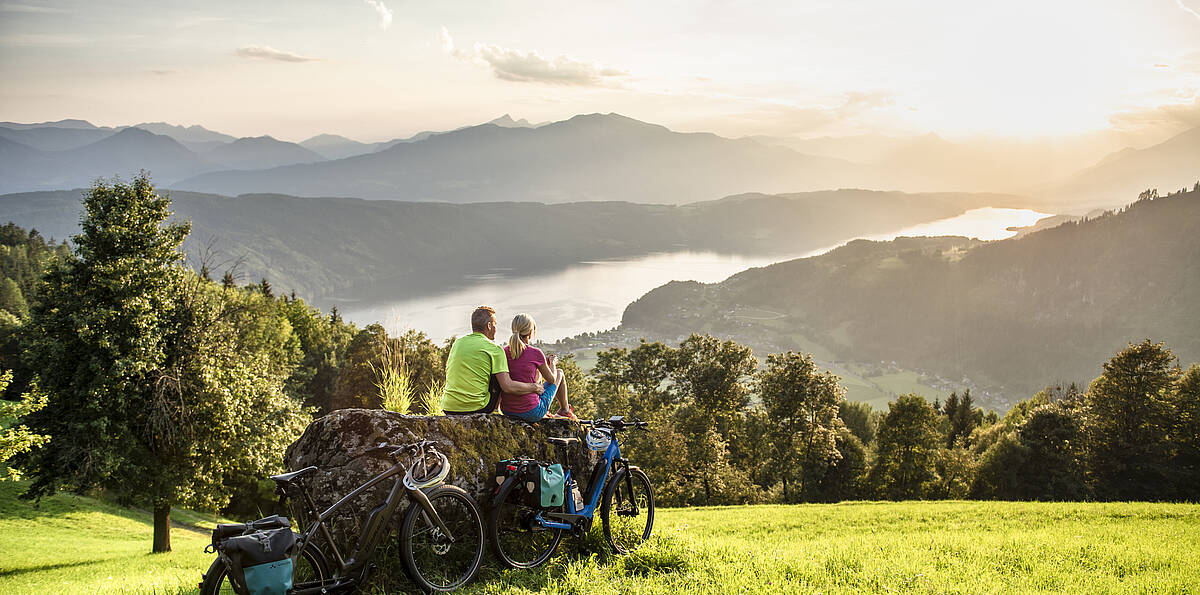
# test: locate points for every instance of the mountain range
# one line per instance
(588, 157)
(356, 249)
(1013, 315)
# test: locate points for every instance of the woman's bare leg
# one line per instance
(564, 407)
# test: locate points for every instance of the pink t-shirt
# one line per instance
(523, 369)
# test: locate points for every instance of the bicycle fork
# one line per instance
(429, 513)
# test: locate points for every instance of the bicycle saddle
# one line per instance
(287, 478)
(561, 441)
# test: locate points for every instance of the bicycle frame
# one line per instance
(612, 456)
(376, 527)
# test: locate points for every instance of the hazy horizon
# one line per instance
(1117, 73)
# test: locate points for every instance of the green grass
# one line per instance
(75, 544)
(81, 545)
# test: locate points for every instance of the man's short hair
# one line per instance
(481, 316)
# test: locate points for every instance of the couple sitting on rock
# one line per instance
(479, 373)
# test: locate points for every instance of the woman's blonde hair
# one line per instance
(523, 328)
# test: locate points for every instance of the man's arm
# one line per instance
(512, 387)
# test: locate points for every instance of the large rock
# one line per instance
(473, 443)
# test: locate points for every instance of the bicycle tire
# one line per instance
(310, 566)
(431, 560)
(628, 525)
(515, 539)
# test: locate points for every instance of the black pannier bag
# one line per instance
(541, 484)
(258, 555)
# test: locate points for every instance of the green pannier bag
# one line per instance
(272, 578)
(552, 485)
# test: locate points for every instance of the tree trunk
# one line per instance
(162, 526)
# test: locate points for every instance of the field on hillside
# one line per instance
(83, 546)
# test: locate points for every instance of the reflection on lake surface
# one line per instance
(591, 296)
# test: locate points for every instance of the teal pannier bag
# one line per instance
(260, 562)
(553, 485)
(272, 578)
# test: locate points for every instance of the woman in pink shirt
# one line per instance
(524, 364)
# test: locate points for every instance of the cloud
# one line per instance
(161, 72)
(266, 52)
(1169, 117)
(385, 14)
(530, 67)
(1188, 9)
(29, 8)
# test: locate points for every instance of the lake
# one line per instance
(591, 296)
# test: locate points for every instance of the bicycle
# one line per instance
(441, 537)
(525, 536)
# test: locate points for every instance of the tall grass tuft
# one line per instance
(391, 378)
(431, 399)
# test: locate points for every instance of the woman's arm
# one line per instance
(548, 370)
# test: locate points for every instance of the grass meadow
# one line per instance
(71, 544)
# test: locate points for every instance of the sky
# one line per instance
(381, 69)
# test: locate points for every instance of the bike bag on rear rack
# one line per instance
(258, 555)
(542, 484)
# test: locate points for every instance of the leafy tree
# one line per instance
(153, 392)
(1129, 419)
(907, 446)
(712, 374)
(710, 381)
(999, 475)
(356, 379)
(642, 372)
(11, 299)
(846, 477)
(803, 403)
(16, 438)
(1187, 435)
(859, 418)
(1053, 439)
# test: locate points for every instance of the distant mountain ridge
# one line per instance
(260, 152)
(588, 157)
(1014, 315)
(358, 249)
(1167, 166)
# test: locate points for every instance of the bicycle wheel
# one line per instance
(310, 567)
(431, 559)
(517, 540)
(628, 510)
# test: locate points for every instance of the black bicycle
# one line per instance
(524, 535)
(441, 538)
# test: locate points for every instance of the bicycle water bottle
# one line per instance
(576, 495)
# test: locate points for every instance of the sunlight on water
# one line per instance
(592, 296)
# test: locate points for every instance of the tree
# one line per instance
(803, 403)
(1187, 436)
(15, 437)
(11, 299)
(155, 392)
(710, 382)
(907, 446)
(859, 418)
(1129, 421)
(963, 418)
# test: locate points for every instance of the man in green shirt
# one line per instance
(474, 361)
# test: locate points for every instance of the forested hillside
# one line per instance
(322, 247)
(1017, 314)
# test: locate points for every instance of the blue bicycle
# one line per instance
(524, 534)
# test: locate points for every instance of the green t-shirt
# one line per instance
(473, 359)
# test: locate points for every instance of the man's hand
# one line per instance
(512, 387)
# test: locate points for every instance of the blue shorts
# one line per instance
(538, 412)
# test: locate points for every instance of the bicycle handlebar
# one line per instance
(616, 422)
